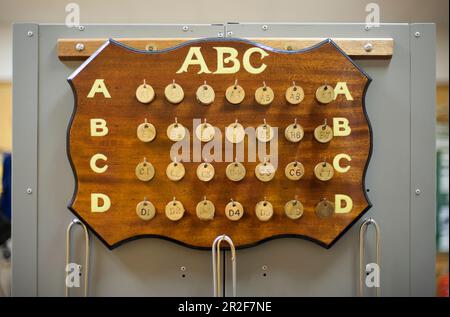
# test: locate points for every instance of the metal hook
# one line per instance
(362, 271)
(264, 85)
(325, 123)
(216, 263)
(145, 84)
(235, 83)
(173, 83)
(86, 256)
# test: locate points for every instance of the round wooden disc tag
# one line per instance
(205, 172)
(324, 171)
(205, 210)
(145, 171)
(235, 171)
(235, 133)
(145, 210)
(146, 132)
(145, 93)
(294, 171)
(293, 209)
(174, 93)
(325, 94)
(174, 210)
(175, 171)
(234, 210)
(205, 94)
(264, 210)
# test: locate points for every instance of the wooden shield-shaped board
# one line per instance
(104, 149)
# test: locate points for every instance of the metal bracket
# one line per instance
(86, 256)
(216, 263)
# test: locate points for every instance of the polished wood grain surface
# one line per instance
(123, 70)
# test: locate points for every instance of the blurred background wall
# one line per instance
(210, 11)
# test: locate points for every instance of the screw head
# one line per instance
(185, 28)
(29, 191)
(264, 267)
(418, 191)
(183, 268)
(265, 27)
(367, 28)
(368, 47)
(417, 34)
(229, 33)
(81, 27)
(30, 33)
(79, 47)
(220, 34)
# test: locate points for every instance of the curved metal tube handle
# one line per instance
(362, 251)
(216, 263)
(86, 257)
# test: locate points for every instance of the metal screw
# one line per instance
(264, 267)
(418, 191)
(368, 47)
(30, 33)
(367, 28)
(220, 34)
(79, 47)
(29, 191)
(185, 28)
(183, 268)
(81, 27)
(265, 27)
(417, 34)
(229, 33)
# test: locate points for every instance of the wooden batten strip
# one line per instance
(81, 49)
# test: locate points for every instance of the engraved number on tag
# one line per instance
(234, 210)
(145, 210)
(145, 93)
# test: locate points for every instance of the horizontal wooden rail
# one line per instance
(81, 49)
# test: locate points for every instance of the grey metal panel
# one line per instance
(152, 267)
(25, 159)
(423, 161)
(299, 268)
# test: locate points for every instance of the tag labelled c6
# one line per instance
(235, 94)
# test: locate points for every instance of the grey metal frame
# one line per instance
(400, 105)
